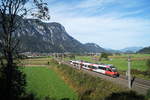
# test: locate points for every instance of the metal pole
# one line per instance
(129, 72)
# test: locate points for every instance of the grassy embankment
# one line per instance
(138, 63)
(44, 82)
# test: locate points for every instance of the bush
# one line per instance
(125, 96)
(53, 61)
(135, 72)
(104, 55)
(148, 64)
(72, 56)
(148, 94)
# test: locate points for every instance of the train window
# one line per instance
(94, 67)
(82, 64)
(108, 69)
(114, 69)
(99, 67)
(102, 68)
(89, 66)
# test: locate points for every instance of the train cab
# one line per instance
(112, 71)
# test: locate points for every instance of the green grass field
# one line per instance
(36, 61)
(122, 64)
(44, 81)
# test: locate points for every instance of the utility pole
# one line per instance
(129, 72)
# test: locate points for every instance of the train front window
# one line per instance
(113, 68)
(108, 69)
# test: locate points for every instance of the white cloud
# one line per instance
(109, 30)
(90, 3)
(106, 31)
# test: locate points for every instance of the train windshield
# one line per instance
(114, 69)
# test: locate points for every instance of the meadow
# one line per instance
(44, 82)
(61, 82)
(36, 61)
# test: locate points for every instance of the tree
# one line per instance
(12, 80)
(148, 64)
(72, 56)
(104, 55)
(148, 94)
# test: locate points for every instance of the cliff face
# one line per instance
(37, 36)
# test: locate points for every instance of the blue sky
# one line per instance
(112, 24)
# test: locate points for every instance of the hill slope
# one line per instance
(144, 50)
(92, 47)
(131, 49)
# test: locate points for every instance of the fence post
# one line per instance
(129, 72)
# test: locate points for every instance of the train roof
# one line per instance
(97, 65)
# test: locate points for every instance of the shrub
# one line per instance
(125, 96)
(53, 61)
(148, 94)
(148, 64)
(72, 56)
(104, 55)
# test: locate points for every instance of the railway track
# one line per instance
(139, 85)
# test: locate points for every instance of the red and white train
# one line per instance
(99, 68)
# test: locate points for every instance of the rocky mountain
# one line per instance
(92, 47)
(38, 36)
(130, 49)
(145, 50)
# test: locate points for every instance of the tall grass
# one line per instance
(93, 88)
(87, 86)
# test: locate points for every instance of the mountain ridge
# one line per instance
(133, 49)
(145, 50)
(38, 36)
